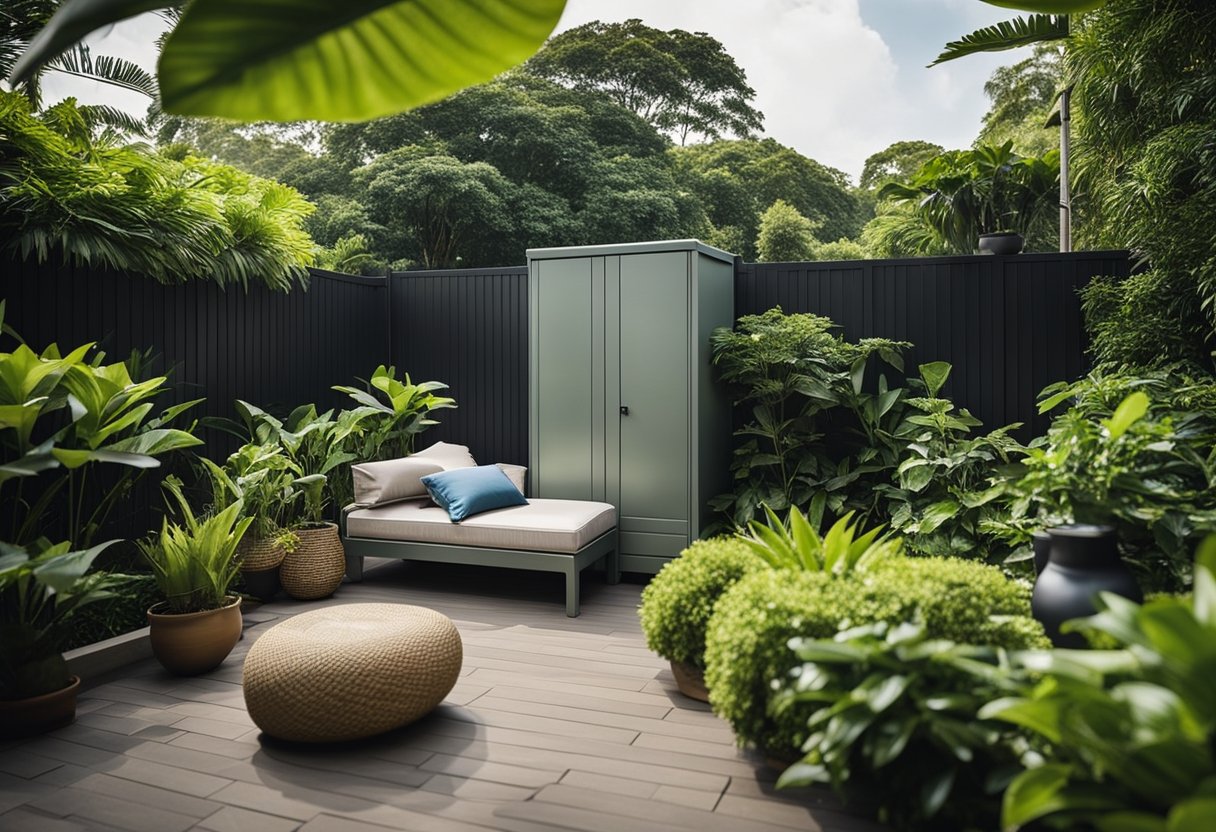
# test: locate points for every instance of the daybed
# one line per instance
(563, 536)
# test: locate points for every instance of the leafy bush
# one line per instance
(1129, 731)
(748, 635)
(1138, 452)
(895, 724)
(677, 603)
(66, 194)
(839, 552)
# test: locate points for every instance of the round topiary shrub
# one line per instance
(747, 642)
(677, 604)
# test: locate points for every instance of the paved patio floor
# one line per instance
(555, 724)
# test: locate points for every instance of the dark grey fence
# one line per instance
(1009, 325)
(469, 329)
(274, 349)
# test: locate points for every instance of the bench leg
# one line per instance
(354, 568)
(571, 591)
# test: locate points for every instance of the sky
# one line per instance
(837, 80)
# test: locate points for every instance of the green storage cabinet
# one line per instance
(623, 406)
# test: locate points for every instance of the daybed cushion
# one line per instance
(467, 491)
(447, 455)
(391, 480)
(540, 526)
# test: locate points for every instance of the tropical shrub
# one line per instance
(65, 193)
(748, 635)
(195, 563)
(401, 411)
(798, 546)
(1137, 452)
(677, 603)
(1129, 731)
(40, 595)
(894, 725)
(962, 194)
(262, 478)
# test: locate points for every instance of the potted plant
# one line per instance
(314, 569)
(195, 563)
(260, 477)
(39, 595)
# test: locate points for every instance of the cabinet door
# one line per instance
(654, 386)
(568, 429)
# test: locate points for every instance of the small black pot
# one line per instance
(1001, 242)
(1083, 561)
(1042, 551)
(263, 584)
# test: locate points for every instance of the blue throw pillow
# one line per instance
(463, 492)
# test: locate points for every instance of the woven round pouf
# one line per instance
(316, 567)
(342, 673)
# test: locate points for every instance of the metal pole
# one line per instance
(1065, 194)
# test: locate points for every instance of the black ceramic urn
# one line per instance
(1083, 561)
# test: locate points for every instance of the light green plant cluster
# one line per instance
(678, 602)
(195, 562)
(748, 636)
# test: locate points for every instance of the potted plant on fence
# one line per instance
(195, 563)
(39, 595)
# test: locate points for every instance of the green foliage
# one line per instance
(1135, 451)
(898, 230)
(286, 60)
(737, 180)
(683, 83)
(962, 194)
(898, 161)
(798, 545)
(60, 417)
(401, 411)
(895, 722)
(785, 235)
(746, 643)
(1023, 96)
(842, 249)
(1129, 731)
(1145, 99)
(261, 478)
(40, 595)
(677, 603)
(63, 193)
(1008, 34)
(195, 563)
(349, 255)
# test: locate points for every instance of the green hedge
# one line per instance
(677, 604)
(747, 640)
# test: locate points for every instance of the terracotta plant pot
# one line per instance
(690, 680)
(38, 714)
(316, 568)
(194, 642)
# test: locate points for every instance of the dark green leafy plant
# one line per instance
(39, 597)
(677, 603)
(262, 479)
(1135, 452)
(401, 412)
(196, 562)
(1130, 731)
(895, 722)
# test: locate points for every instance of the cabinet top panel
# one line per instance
(629, 248)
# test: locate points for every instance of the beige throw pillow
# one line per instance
(517, 474)
(377, 483)
(448, 456)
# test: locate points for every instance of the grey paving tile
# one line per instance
(16, 791)
(65, 775)
(541, 725)
(687, 746)
(791, 815)
(70, 752)
(653, 811)
(607, 783)
(22, 763)
(687, 797)
(112, 811)
(166, 777)
(222, 713)
(31, 820)
(113, 724)
(215, 745)
(211, 727)
(146, 795)
(132, 696)
(712, 731)
(158, 733)
(262, 799)
(232, 819)
(475, 789)
(582, 701)
(514, 775)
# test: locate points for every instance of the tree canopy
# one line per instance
(897, 161)
(683, 83)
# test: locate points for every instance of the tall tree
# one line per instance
(1022, 98)
(898, 161)
(684, 83)
(785, 235)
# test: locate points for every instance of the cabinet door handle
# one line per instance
(624, 410)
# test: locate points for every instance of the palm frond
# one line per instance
(118, 72)
(1008, 34)
(107, 116)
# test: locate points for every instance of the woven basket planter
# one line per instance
(315, 568)
(259, 555)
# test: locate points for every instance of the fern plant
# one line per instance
(797, 546)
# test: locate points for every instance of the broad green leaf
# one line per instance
(60, 570)
(1129, 411)
(1195, 815)
(1205, 582)
(289, 60)
(74, 459)
(935, 374)
(1033, 794)
(1129, 822)
(937, 514)
(1040, 717)
(1008, 34)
